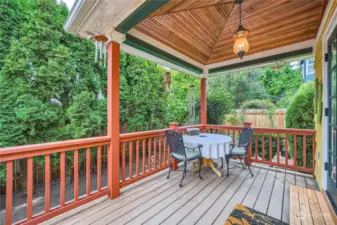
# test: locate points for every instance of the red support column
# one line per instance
(174, 126)
(113, 118)
(203, 102)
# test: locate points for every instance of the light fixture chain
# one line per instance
(240, 14)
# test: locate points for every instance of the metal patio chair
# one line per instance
(182, 153)
(241, 149)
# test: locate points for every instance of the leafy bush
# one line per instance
(267, 145)
(233, 120)
(258, 104)
(300, 115)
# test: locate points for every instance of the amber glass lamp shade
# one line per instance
(241, 45)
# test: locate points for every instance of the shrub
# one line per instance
(267, 145)
(300, 115)
(232, 120)
(258, 104)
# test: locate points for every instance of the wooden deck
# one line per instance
(158, 200)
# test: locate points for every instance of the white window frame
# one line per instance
(308, 63)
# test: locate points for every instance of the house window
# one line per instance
(310, 66)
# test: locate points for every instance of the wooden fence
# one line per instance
(260, 118)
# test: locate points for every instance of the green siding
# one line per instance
(146, 9)
(273, 58)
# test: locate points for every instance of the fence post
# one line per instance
(174, 126)
(249, 153)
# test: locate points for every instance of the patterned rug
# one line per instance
(242, 215)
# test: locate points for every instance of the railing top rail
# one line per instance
(142, 134)
(25, 151)
(150, 133)
(271, 130)
(285, 130)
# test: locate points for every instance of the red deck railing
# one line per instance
(141, 154)
(286, 148)
(8, 155)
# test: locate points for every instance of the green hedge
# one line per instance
(300, 115)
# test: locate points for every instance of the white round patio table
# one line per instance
(214, 146)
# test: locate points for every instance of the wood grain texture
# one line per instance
(203, 30)
(193, 32)
(209, 201)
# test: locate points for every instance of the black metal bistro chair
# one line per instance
(182, 153)
(241, 149)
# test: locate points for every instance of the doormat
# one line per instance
(242, 215)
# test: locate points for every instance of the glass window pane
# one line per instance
(310, 66)
(333, 168)
(334, 52)
(334, 111)
(333, 82)
(333, 142)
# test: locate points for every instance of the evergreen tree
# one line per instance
(32, 77)
(13, 13)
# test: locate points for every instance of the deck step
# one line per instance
(309, 207)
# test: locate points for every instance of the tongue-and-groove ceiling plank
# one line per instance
(192, 32)
(272, 24)
(203, 29)
(183, 5)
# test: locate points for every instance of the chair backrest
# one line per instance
(246, 136)
(176, 142)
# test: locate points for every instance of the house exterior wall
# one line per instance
(319, 61)
(306, 75)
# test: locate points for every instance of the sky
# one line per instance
(69, 3)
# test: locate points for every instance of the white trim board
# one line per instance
(133, 51)
(271, 52)
(163, 47)
(325, 16)
(330, 28)
(292, 59)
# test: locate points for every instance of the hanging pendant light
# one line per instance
(241, 45)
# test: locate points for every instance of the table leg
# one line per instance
(213, 166)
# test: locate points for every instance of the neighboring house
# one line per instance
(307, 68)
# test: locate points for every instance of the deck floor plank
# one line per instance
(315, 209)
(262, 201)
(213, 212)
(289, 180)
(122, 201)
(275, 208)
(304, 206)
(185, 209)
(159, 200)
(163, 200)
(237, 198)
(175, 202)
(253, 193)
(295, 217)
(110, 213)
(325, 209)
(199, 211)
(311, 184)
(300, 181)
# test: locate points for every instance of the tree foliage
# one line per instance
(280, 82)
(300, 115)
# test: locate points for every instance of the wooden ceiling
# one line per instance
(202, 29)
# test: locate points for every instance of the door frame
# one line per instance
(327, 34)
